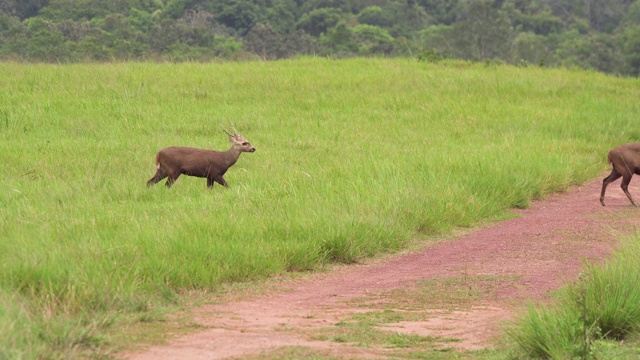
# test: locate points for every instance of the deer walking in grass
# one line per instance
(625, 161)
(174, 161)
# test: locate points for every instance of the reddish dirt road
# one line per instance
(503, 264)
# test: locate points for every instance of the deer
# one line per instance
(625, 161)
(174, 161)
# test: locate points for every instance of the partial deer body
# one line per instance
(175, 161)
(625, 161)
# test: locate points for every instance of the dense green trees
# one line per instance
(596, 34)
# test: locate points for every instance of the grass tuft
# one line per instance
(603, 306)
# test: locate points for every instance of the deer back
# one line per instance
(192, 161)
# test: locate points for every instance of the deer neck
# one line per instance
(232, 155)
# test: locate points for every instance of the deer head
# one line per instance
(239, 141)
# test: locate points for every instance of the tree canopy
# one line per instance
(594, 34)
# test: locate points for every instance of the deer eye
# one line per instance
(245, 143)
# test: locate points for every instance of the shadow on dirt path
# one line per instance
(451, 295)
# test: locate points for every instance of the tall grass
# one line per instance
(353, 159)
(605, 304)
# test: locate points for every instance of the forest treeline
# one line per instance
(593, 34)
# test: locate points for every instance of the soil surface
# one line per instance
(463, 288)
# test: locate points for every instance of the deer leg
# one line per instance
(172, 178)
(625, 185)
(210, 182)
(220, 180)
(608, 180)
(157, 177)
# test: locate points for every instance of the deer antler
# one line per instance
(226, 132)
(235, 131)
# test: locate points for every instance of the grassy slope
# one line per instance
(353, 158)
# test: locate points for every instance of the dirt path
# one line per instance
(457, 291)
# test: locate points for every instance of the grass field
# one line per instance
(354, 158)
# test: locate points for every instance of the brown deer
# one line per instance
(625, 161)
(175, 161)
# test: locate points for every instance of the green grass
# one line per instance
(354, 158)
(366, 330)
(373, 322)
(597, 317)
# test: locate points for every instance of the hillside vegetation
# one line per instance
(596, 34)
(354, 158)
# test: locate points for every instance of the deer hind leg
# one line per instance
(210, 182)
(157, 177)
(608, 180)
(625, 187)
